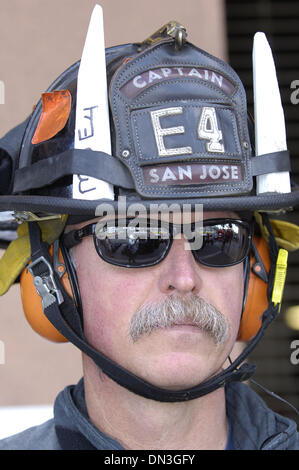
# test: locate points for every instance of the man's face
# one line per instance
(177, 356)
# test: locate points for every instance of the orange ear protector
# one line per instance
(257, 299)
(256, 302)
(32, 303)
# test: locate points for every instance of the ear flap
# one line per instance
(32, 303)
(257, 299)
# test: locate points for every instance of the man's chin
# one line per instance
(178, 371)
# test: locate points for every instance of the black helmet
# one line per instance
(180, 132)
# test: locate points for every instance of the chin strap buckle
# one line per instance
(244, 372)
(44, 282)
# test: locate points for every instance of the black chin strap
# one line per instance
(60, 310)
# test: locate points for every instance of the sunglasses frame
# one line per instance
(174, 229)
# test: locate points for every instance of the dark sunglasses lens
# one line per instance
(132, 250)
(224, 244)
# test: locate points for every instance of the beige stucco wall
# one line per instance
(38, 40)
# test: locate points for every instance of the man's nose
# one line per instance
(179, 271)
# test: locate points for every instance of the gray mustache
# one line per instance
(179, 309)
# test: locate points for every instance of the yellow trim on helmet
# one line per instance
(18, 253)
(286, 233)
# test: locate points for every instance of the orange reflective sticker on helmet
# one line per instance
(56, 108)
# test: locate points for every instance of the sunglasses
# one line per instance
(223, 242)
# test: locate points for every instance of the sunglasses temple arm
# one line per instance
(246, 270)
(258, 267)
(74, 237)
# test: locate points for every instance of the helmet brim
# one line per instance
(79, 207)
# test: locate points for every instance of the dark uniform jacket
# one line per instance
(253, 426)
